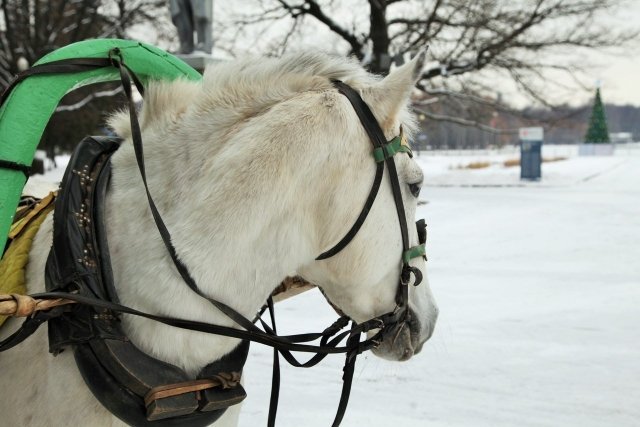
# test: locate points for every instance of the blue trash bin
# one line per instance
(530, 160)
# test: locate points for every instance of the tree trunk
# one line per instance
(381, 60)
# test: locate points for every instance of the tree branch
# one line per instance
(78, 105)
(464, 122)
(314, 10)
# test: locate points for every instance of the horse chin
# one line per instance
(402, 342)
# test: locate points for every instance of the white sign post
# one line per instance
(531, 134)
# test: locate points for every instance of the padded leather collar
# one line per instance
(115, 370)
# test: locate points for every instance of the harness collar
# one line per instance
(137, 388)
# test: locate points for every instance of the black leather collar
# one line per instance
(118, 373)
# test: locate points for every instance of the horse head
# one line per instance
(268, 166)
(362, 280)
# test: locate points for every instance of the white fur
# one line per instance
(256, 170)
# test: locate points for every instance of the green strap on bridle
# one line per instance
(380, 154)
(390, 149)
(413, 252)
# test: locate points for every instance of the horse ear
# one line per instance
(390, 95)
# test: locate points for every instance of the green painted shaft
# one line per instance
(26, 112)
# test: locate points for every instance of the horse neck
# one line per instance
(237, 240)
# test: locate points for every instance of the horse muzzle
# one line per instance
(405, 338)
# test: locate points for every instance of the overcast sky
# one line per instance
(621, 80)
(620, 75)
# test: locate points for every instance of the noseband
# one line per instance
(331, 337)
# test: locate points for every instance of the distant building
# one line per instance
(621, 137)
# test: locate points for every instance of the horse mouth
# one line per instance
(403, 341)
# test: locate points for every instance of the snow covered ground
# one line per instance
(539, 291)
(539, 295)
(446, 168)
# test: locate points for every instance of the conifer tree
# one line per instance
(598, 132)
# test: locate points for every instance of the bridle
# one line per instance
(383, 152)
(332, 336)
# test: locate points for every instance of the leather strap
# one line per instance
(6, 164)
(377, 180)
(275, 375)
(73, 65)
(376, 135)
(284, 343)
(381, 145)
(224, 380)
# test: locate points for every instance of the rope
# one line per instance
(16, 305)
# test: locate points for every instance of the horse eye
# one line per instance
(415, 189)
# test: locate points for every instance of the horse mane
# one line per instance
(243, 88)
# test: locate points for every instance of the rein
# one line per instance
(332, 337)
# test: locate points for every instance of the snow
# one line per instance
(446, 168)
(41, 185)
(538, 288)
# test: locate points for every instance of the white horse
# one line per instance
(256, 170)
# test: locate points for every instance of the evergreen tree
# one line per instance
(598, 132)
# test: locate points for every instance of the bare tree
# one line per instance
(121, 16)
(29, 29)
(529, 43)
